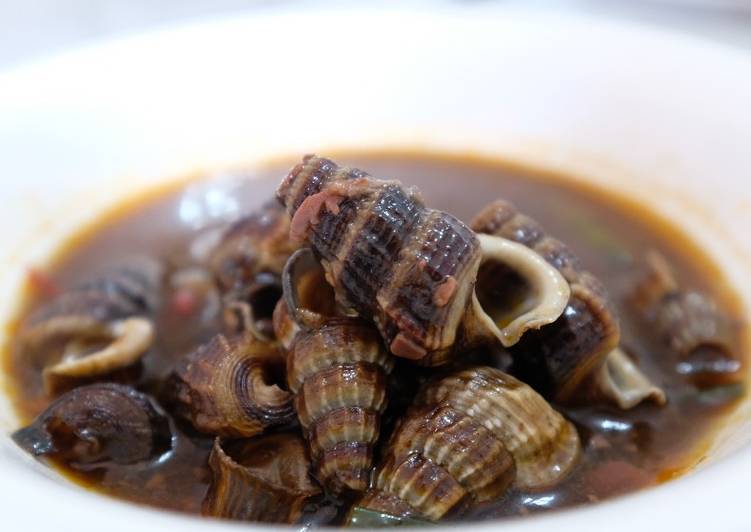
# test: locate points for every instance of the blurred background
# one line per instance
(33, 28)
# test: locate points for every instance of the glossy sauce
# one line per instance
(623, 451)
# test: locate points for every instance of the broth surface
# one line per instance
(623, 451)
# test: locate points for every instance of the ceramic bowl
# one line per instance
(661, 117)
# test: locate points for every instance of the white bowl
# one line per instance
(661, 117)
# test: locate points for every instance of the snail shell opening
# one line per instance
(548, 289)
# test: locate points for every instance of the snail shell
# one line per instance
(263, 479)
(384, 253)
(622, 382)
(96, 328)
(556, 358)
(337, 367)
(543, 444)
(439, 457)
(98, 424)
(393, 261)
(308, 301)
(228, 387)
(468, 437)
(338, 374)
(247, 264)
(689, 324)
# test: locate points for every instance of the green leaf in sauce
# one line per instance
(364, 518)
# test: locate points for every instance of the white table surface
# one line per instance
(33, 28)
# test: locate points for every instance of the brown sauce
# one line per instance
(623, 451)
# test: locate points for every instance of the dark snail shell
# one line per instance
(96, 328)
(408, 268)
(689, 324)
(228, 387)
(390, 259)
(338, 375)
(98, 424)
(263, 479)
(558, 357)
(247, 265)
(258, 242)
(468, 437)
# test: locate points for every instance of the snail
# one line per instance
(577, 355)
(263, 479)
(308, 300)
(409, 269)
(98, 424)
(229, 387)
(620, 381)
(96, 328)
(467, 438)
(338, 374)
(689, 324)
(247, 264)
(337, 368)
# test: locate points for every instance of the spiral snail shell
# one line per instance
(262, 479)
(97, 328)
(228, 387)
(247, 264)
(689, 324)
(338, 374)
(97, 424)
(337, 368)
(559, 357)
(467, 438)
(409, 269)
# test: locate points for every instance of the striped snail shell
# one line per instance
(338, 374)
(409, 269)
(228, 387)
(698, 334)
(468, 437)
(337, 368)
(263, 479)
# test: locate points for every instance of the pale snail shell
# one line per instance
(469, 437)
